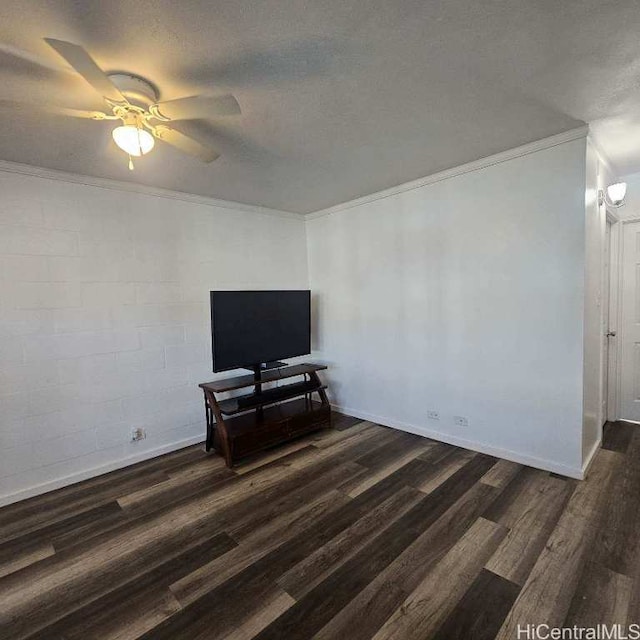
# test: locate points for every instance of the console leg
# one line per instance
(219, 431)
(207, 411)
(321, 392)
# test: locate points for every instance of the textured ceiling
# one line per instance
(340, 98)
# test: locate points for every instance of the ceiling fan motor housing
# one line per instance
(135, 89)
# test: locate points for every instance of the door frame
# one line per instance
(614, 361)
(615, 313)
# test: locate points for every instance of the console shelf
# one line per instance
(270, 396)
(271, 375)
(257, 422)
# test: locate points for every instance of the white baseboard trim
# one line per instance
(592, 454)
(506, 454)
(539, 463)
(73, 478)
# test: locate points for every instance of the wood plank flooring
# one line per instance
(355, 532)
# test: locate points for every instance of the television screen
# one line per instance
(252, 327)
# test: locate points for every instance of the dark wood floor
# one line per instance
(356, 532)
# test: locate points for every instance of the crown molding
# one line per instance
(7, 166)
(497, 158)
(119, 185)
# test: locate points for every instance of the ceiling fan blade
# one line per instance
(85, 65)
(185, 143)
(196, 107)
(21, 54)
(63, 111)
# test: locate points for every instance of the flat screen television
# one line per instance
(251, 328)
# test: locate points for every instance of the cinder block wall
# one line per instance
(104, 320)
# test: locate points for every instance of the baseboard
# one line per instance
(506, 454)
(539, 463)
(65, 481)
(592, 454)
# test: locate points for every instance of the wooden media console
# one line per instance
(251, 422)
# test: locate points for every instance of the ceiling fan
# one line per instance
(133, 100)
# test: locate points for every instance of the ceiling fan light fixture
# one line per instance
(133, 140)
(133, 100)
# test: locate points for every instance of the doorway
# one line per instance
(608, 334)
(628, 337)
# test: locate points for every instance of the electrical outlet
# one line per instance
(137, 433)
(433, 415)
(461, 421)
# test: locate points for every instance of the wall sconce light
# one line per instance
(613, 196)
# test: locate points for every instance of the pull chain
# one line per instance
(130, 163)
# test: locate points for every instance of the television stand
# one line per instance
(240, 426)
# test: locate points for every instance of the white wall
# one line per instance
(466, 297)
(104, 320)
(598, 176)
